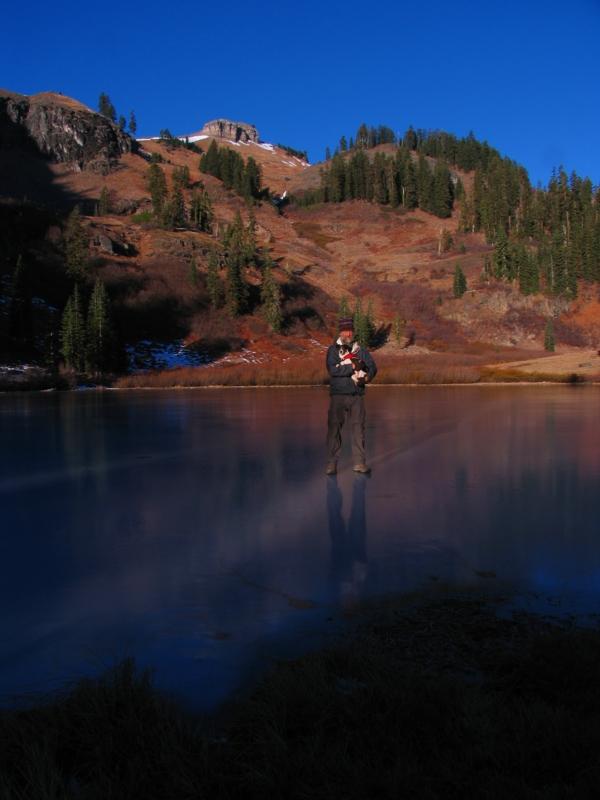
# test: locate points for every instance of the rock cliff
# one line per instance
(62, 129)
(226, 129)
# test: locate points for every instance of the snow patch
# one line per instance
(265, 145)
(19, 369)
(244, 356)
(198, 137)
(146, 355)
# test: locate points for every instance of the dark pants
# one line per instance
(341, 405)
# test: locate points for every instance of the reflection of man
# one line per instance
(350, 366)
(348, 545)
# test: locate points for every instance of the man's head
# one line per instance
(346, 329)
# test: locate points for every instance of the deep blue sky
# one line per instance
(523, 75)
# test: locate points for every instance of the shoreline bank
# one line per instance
(494, 383)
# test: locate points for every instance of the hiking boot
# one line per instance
(362, 468)
(331, 468)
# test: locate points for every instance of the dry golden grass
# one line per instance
(582, 362)
(307, 373)
(312, 231)
(427, 369)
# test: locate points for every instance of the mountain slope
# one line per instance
(56, 152)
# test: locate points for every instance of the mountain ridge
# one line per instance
(319, 254)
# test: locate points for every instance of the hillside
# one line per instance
(56, 153)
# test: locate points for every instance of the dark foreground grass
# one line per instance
(442, 701)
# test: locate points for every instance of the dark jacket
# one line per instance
(341, 381)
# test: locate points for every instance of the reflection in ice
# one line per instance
(197, 530)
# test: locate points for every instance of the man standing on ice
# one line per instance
(350, 366)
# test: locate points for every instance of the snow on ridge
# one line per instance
(195, 138)
(264, 145)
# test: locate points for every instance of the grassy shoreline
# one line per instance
(433, 698)
(431, 369)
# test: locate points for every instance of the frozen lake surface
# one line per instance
(196, 530)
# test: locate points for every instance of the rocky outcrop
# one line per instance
(226, 129)
(63, 130)
(504, 315)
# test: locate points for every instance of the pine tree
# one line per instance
(132, 124)
(157, 186)
(236, 289)
(20, 323)
(106, 108)
(201, 212)
(181, 177)
(410, 199)
(174, 210)
(410, 139)
(251, 254)
(529, 278)
(424, 184)
(235, 260)
(252, 179)
(441, 190)
(398, 326)
(72, 334)
(459, 286)
(193, 272)
(122, 123)
(558, 263)
(76, 245)
(214, 286)
(549, 336)
(361, 325)
(270, 296)
(393, 185)
(100, 339)
(327, 154)
(501, 255)
(369, 324)
(344, 310)
(210, 162)
(337, 179)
